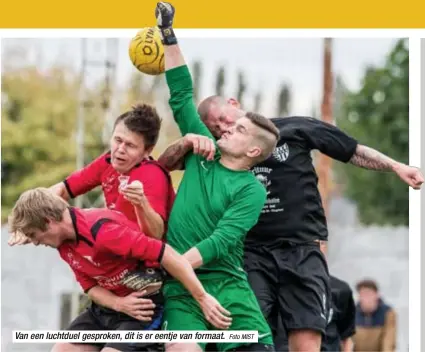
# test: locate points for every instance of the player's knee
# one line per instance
(182, 347)
(305, 340)
(256, 347)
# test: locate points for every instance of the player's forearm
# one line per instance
(217, 246)
(369, 158)
(179, 267)
(173, 156)
(150, 221)
(347, 345)
(180, 83)
(60, 190)
(173, 57)
(104, 298)
(194, 257)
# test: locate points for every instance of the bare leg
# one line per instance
(304, 341)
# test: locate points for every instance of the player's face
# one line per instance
(220, 119)
(127, 148)
(49, 238)
(368, 300)
(239, 140)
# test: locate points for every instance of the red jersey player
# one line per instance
(103, 248)
(148, 194)
(146, 199)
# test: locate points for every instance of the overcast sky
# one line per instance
(266, 62)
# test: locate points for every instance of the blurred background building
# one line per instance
(59, 97)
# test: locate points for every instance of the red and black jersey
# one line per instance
(108, 246)
(156, 181)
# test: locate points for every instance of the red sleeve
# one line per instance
(123, 241)
(155, 185)
(87, 178)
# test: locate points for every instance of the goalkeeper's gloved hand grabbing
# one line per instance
(164, 13)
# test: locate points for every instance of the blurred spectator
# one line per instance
(341, 319)
(342, 315)
(375, 320)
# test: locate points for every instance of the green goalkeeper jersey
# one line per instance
(215, 206)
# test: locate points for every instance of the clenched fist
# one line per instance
(201, 145)
(164, 13)
(411, 175)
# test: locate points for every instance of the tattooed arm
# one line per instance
(371, 159)
(173, 157)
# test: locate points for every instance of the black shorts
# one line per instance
(96, 317)
(292, 286)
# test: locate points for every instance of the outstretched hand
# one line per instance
(164, 13)
(411, 175)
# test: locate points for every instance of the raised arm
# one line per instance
(178, 77)
(149, 192)
(335, 143)
(371, 159)
(173, 157)
(83, 180)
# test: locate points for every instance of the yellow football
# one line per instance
(147, 52)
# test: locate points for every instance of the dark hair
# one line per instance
(367, 283)
(263, 122)
(143, 120)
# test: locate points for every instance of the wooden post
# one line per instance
(324, 162)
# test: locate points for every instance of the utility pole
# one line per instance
(325, 163)
(91, 61)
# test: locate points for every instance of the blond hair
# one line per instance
(34, 209)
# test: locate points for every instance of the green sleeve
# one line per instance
(239, 218)
(182, 103)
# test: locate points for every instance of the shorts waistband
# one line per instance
(313, 243)
(95, 308)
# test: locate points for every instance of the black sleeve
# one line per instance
(346, 323)
(327, 138)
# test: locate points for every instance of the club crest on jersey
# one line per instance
(281, 153)
(264, 181)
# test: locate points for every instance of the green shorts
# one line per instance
(182, 312)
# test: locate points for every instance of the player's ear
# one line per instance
(254, 152)
(234, 102)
